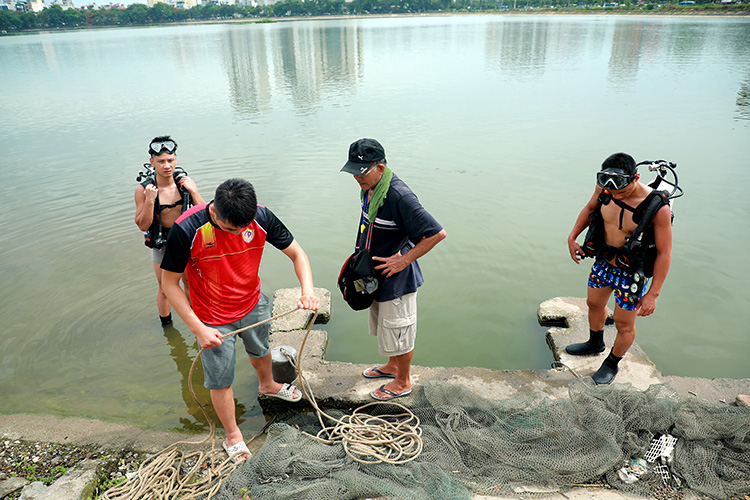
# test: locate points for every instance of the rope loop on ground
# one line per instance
(173, 473)
(367, 439)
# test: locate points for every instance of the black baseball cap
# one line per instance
(362, 154)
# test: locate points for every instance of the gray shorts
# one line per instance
(157, 254)
(394, 323)
(218, 363)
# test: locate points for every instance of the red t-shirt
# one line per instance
(222, 268)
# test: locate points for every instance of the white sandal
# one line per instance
(236, 451)
(286, 393)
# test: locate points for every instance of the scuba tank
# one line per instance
(638, 253)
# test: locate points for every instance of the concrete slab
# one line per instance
(571, 314)
(73, 484)
(341, 385)
(11, 485)
(285, 299)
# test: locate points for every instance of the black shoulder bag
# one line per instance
(358, 279)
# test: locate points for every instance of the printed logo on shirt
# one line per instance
(209, 239)
(248, 235)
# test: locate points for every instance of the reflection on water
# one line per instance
(743, 101)
(518, 48)
(308, 63)
(183, 359)
(496, 122)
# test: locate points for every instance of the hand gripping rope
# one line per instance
(172, 473)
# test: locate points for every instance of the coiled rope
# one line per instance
(172, 473)
(367, 439)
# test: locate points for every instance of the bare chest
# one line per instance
(170, 205)
(618, 223)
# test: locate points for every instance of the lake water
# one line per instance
(498, 123)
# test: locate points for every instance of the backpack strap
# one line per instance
(605, 197)
(644, 216)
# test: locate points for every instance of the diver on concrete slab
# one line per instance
(630, 237)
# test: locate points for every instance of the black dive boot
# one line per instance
(606, 373)
(594, 345)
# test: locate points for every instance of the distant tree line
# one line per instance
(139, 14)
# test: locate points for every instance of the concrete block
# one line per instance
(636, 368)
(73, 484)
(11, 485)
(33, 491)
(285, 299)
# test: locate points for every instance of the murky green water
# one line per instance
(497, 123)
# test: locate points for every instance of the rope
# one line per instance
(173, 473)
(367, 439)
(563, 365)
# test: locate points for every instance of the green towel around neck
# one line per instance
(378, 194)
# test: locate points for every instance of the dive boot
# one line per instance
(594, 345)
(606, 373)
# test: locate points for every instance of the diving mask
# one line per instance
(157, 148)
(613, 179)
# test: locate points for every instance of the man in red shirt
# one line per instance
(220, 245)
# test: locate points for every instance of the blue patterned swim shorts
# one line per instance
(603, 274)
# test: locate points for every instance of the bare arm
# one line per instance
(144, 205)
(207, 337)
(663, 239)
(308, 299)
(398, 261)
(576, 252)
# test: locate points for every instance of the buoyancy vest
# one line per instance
(638, 254)
(156, 235)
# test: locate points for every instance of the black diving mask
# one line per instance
(613, 179)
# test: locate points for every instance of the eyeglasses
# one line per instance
(366, 171)
(613, 180)
(158, 148)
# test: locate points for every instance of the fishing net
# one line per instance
(525, 445)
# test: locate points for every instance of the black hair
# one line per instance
(161, 138)
(620, 161)
(235, 202)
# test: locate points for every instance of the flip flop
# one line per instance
(380, 374)
(391, 395)
(286, 393)
(236, 451)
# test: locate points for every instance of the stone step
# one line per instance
(570, 314)
(77, 483)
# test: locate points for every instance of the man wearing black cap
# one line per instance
(617, 205)
(400, 231)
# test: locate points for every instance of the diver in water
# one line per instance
(165, 191)
(630, 237)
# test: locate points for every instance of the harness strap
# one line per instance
(656, 200)
(159, 207)
(604, 199)
(362, 226)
